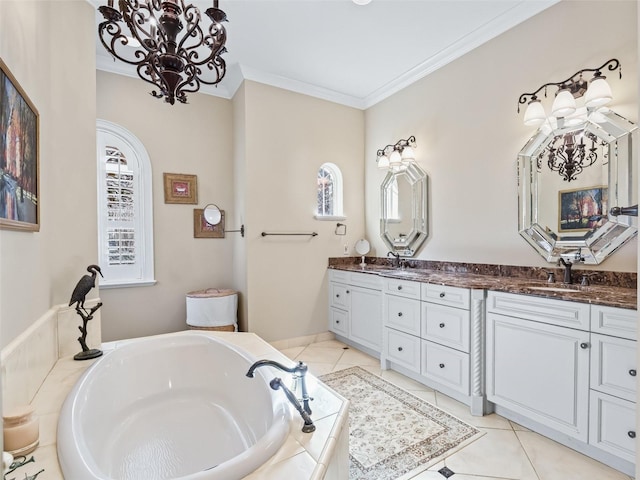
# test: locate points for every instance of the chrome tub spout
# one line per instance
(308, 426)
(299, 372)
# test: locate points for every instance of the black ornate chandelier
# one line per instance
(167, 44)
(571, 156)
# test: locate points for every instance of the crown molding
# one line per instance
(514, 16)
(297, 86)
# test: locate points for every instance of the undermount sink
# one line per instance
(556, 289)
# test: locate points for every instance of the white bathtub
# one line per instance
(171, 407)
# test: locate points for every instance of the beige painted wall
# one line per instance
(38, 270)
(469, 133)
(239, 182)
(287, 138)
(195, 138)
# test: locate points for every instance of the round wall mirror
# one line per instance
(569, 179)
(212, 214)
(403, 225)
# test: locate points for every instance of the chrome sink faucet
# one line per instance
(299, 372)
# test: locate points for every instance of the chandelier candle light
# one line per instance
(167, 44)
(397, 157)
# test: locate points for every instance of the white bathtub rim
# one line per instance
(276, 434)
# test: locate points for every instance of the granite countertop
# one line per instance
(593, 294)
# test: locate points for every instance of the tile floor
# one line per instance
(507, 451)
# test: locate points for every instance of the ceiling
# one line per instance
(356, 55)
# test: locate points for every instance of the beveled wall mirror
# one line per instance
(569, 179)
(403, 222)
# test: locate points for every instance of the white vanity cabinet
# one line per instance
(445, 336)
(401, 320)
(433, 334)
(612, 418)
(355, 309)
(567, 370)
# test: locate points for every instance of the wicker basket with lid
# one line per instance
(212, 309)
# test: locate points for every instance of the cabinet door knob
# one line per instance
(631, 434)
(442, 294)
(632, 372)
(337, 321)
(337, 295)
(348, 291)
(399, 314)
(441, 365)
(584, 345)
(441, 325)
(399, 287)
(399, 349)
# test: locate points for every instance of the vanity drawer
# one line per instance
(446, 366)
(620, 322)
(339, 295)
(446, 325)
(366, 280)
(339, 321)
(444, 295)
(612, 425)
(613, 366)
(547, 310)
(403, 288)
(403, 314)
(338, 276)
(403, 349)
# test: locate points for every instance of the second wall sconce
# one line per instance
(596, 92)
(213, 216)
(398, 156)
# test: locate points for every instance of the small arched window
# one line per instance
(125, 216)
(329, 203)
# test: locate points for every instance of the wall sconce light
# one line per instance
(596, 92)
(398, 156)
(213, 216)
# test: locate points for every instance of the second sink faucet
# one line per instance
(396, 256)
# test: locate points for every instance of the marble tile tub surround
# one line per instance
(614, 289)
(320, 455)
(29, 358)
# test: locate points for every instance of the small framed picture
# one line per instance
(180, 188)
(19, 157)
(203, 229)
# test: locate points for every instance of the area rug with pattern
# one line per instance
(392, 433)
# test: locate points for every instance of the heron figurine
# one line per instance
(84, 286)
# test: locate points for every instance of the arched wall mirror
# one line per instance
(403, 224)
(569, 179)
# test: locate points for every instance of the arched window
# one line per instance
(329, 206)
(125, 210)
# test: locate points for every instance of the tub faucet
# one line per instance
(299, 372)
(308, 426)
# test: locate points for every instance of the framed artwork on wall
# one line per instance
(582, 209)
(19, 157)
(180, 188)
(203, 229)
